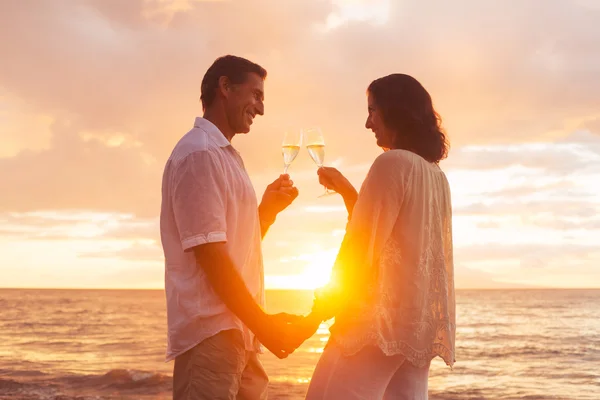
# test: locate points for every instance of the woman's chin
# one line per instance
(382, 143)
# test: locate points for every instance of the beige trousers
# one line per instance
(219, 368)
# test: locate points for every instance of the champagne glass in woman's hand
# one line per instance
(332, 178)
(315, 144)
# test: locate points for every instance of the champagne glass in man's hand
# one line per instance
(292, 139)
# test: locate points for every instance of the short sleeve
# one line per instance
(199, 200)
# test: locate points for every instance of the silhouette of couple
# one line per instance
(392, 287)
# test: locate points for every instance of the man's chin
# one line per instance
(243, 129)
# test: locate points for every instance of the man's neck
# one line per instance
(220, 121)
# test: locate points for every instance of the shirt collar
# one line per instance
(213, 132)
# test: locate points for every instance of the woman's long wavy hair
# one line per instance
(408, 111)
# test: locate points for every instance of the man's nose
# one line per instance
(260, 108)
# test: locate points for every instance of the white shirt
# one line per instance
(399, 238)
(207, 197)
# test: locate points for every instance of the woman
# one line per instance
(392, 286)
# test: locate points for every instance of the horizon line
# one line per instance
(297, 289)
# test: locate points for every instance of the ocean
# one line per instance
(110, 344)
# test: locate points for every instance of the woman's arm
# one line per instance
(331, 178)
(374, 213)
(350, 197)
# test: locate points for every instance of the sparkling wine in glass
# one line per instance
(315, 144)
(317, 153)
(292, 139)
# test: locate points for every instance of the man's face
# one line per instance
(244, 102)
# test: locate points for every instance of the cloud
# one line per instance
(133, 70)
(95, 93)
(528, 69)
(500, 252)
(471, 278)
(576, 153)
(81, 174)
(143, 251)
(66, 225)
(560, 209)
(497, 264)
(544, 184)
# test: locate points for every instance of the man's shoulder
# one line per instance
(195, 141)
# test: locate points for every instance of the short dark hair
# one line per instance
(407, 109)
(236, 69)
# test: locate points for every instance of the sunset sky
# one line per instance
(94, 94)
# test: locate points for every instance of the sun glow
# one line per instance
(316, 272)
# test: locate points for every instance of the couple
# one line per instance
(392, 286)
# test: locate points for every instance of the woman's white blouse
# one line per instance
(398, 246)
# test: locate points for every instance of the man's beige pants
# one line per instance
(219, 368)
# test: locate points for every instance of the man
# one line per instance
(211, 231)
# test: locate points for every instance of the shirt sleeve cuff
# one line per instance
(197, 240)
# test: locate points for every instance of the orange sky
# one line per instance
(95, 93)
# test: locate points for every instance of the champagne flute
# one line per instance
(292, 139)
(315, 144)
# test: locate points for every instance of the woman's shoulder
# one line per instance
(395, 158)
(392, 164)
(407, 159)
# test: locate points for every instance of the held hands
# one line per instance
(274, 332)
(283, 333)
(277, 197)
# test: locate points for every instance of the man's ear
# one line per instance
(224, 86)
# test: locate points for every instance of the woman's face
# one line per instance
(375, 123)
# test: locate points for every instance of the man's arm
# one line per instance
(266, 220)
(199, 192)
(278, 195)
(215, 261)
